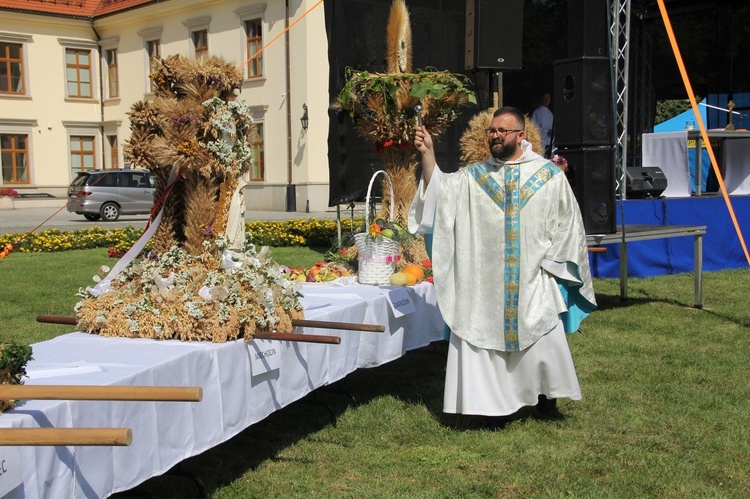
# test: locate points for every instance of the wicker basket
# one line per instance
(377, 258)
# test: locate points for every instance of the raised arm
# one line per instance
(423, 143)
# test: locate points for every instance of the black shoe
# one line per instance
(546, 405)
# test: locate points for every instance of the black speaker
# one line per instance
(591, 173)
(583, 102)
(588, 28)
(494, 34)
(644, 182)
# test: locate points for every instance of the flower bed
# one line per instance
(298, 232)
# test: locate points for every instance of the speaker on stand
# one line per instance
(588, 28)
(583, 102)
(591, 176)
(584, 114)
(494, 35)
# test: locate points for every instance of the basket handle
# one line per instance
(369, 189)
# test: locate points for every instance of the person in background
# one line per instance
(544, 120)
(511, 271)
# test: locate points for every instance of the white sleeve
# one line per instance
(422, 211)
(562, 270)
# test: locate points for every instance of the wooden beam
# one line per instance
(102, 392)
(373, 328)
(309, 338)
(306, 338)
(66, 436)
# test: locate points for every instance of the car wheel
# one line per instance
(91, 217)
(109, 212)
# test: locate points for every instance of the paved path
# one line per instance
(25, 219)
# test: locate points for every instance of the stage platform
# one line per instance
(649, 256)
(632, 233)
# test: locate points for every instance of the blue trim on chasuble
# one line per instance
(511, 200)
(486, 182)
(537, 181)
(512, 255)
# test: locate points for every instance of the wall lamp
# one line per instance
(305, 120)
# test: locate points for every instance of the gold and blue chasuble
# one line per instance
(511, 199)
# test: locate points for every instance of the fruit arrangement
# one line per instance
(413, 274)
(382, 228)
(321, 272)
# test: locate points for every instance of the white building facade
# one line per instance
(68, 78)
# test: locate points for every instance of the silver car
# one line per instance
(107, 194)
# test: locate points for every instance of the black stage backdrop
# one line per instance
(357, 38)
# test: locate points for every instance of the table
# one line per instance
(236, 393)
(632, 233)
(740, 159)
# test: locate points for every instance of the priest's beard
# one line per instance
(504, 151)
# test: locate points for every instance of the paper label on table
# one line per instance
(42, 371)
(10, 469)
(265, 355)
(401, 302)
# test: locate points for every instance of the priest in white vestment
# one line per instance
(511, 272)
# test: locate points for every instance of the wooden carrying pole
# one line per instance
(99, 392)
(309, 338)
(375, 328)
(265, 335)
(371, 328)
(66, 436)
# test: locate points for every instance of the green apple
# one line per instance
(387, 233)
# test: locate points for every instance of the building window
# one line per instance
(256, 145)
(153, 47)
(82, 155)
(114, 153)
(200, 43)
(14, 153)
(253, 30)
(11, 68)
(112, 80)
(78, 72)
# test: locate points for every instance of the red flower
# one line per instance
(115, 253)
(426, 263)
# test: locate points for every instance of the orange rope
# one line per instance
(280, 34)
(704, 133)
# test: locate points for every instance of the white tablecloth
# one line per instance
(670, 152)
(165, 433)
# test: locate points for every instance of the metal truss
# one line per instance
(620, 47)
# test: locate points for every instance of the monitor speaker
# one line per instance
(494, 34)
(583, 102)
(644, 182)
(588, 28)
(591, 173)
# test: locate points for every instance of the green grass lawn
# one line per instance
(664, 413)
